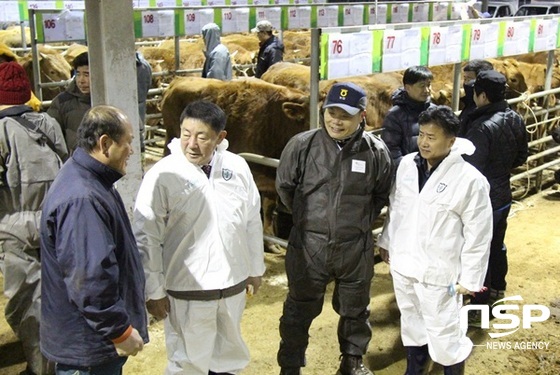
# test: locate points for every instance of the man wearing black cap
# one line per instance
(271, 49)
(500, 138)
(334, 180)
(32, 148)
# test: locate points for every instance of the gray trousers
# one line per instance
(22, 287)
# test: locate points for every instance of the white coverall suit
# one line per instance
(200, 234)
(437, 237)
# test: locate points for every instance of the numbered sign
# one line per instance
(235, 20)
(516, 39)
(399, 13)
(195, 19)
(299, 18)
(156, 23)
(216, 2)
(239, 2)
(327, 16)
(420, 12)
(318, 1)
(9, 12)
(74, 5)
(143, 3)
(41, 4)
(350, 54)
(378, 15)
(273, 15)
(165, 3)
(484, 41)
(280, 2)
(439, 11)
(401, 49)
(545, 35)
(353, 15)
(64, 26)
(191, 3)
(445, 45)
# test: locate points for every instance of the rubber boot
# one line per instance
(456, 369)
(417, 360)
(353, 365)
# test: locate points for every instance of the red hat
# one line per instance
(14, 84)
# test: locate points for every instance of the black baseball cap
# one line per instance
(348, 96)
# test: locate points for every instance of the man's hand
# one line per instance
(384, 255)
(461, 290)
(253, 284)
(131, 346)
(158, 307)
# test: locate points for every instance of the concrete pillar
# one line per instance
(110, 34)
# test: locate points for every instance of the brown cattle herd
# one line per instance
(264, 114)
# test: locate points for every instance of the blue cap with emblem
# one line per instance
(348, 96)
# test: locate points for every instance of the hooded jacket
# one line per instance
(69, 108)
(28, 167)
(270, 52)
(218, 61)
(441, 234)
(400, 126)
(197, 232)
(500, 138)
(334, 195)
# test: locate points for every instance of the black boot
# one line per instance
(417, 360)
(290, 371)
(353, 365)
(456, 369)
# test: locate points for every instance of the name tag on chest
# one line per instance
(359, 166)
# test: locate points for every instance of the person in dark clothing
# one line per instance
(32, 150)
(470, 71)
(144, 81)
(400, 126)
(500, 138)
(69, 107)
(335, 180)
(93, 312)
(271, 49)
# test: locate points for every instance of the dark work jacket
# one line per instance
(92, 276)
(334, 195)
(69, 108)
(400, 126)
(500, 138)
(270, 52)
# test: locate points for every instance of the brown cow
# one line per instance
(379, 87)
(261, 118)
(53, 68)
(73, 51)
(12, 36)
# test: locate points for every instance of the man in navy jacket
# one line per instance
(93, 313)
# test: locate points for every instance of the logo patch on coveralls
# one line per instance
(227, 174)
(441, 187)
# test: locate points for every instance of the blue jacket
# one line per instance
(92, 277)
